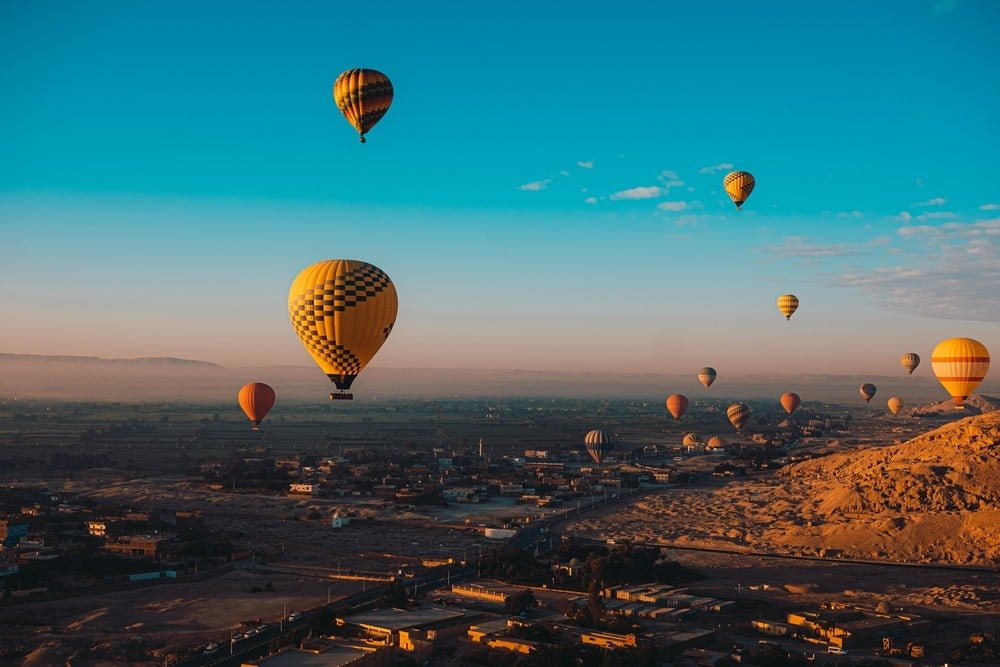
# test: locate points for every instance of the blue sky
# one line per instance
(545, 190)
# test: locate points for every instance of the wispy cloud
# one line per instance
(850, 214)
(590, 200)
(585, 164)
(904, 216)
(936, 215)
(990, 207)
(716, 168)
(670, 179)
(673, 206)
(948, 271)
(535, 186)
(642, 192)
(798, 247)
(935, 201)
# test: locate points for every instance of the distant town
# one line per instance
(424, 532)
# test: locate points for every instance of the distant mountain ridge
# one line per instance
(137, 361)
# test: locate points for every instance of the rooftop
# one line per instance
(401, 619)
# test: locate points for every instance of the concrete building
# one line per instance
(386, 625)
(138, 546)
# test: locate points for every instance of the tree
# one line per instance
(520, 602)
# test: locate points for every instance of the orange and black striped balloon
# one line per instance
(363, 96)
(738, 185)
(788, 304)
(598, 442)
(960, 364)
(738, 414)
(256, 399)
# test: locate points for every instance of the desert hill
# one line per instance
(935, 498)
(974, 405)
(138, 361)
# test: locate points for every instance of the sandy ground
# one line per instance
(162, 617)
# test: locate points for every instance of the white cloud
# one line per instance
(642, 192)
(904, 216)
(670, 179)
(714, 169)
(990, 207)
(936, 215)
(948, 271)
(535, 186)
(590, 200)
(850, 214)
(585, 164)
(563, 172)
(673, 206)
(798, 247)
(935, 201)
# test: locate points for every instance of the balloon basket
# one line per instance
(341, 396)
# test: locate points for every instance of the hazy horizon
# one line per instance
(192, 380)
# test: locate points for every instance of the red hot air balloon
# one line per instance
(256, 399)
(677, 405)
(790, 401)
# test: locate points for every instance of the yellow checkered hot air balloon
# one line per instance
(738, 185)
(788, 304)
(363, 96)
(342, 311)
(960, 364)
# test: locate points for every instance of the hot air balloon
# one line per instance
(715, 442)
(910, 361)
(788, 304)
(363, 96)
(738, 415)
(790, 401)
(960, 364)
(677, 405)
(738, 185)
(707, 376)
(256, 399)
(342, 311)
(691, 440)
(867, 391)
(598, 443)
(895, 404)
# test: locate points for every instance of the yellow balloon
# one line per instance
(788, 304)
(960, 364)
(895, 404)
(342, 311)
(910, 361)
(738, 185)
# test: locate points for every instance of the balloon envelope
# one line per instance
(867, 391)
(715, 441)
(738, 185)
(256, 399)
(895, 404)
(788, 304)
(738, 414)
(677, 405)
(363, 96)
(960, 364)
(910, 361)
(342, 310)
(707, 376)
(790, 401)
(598, 442)
(691, 439)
